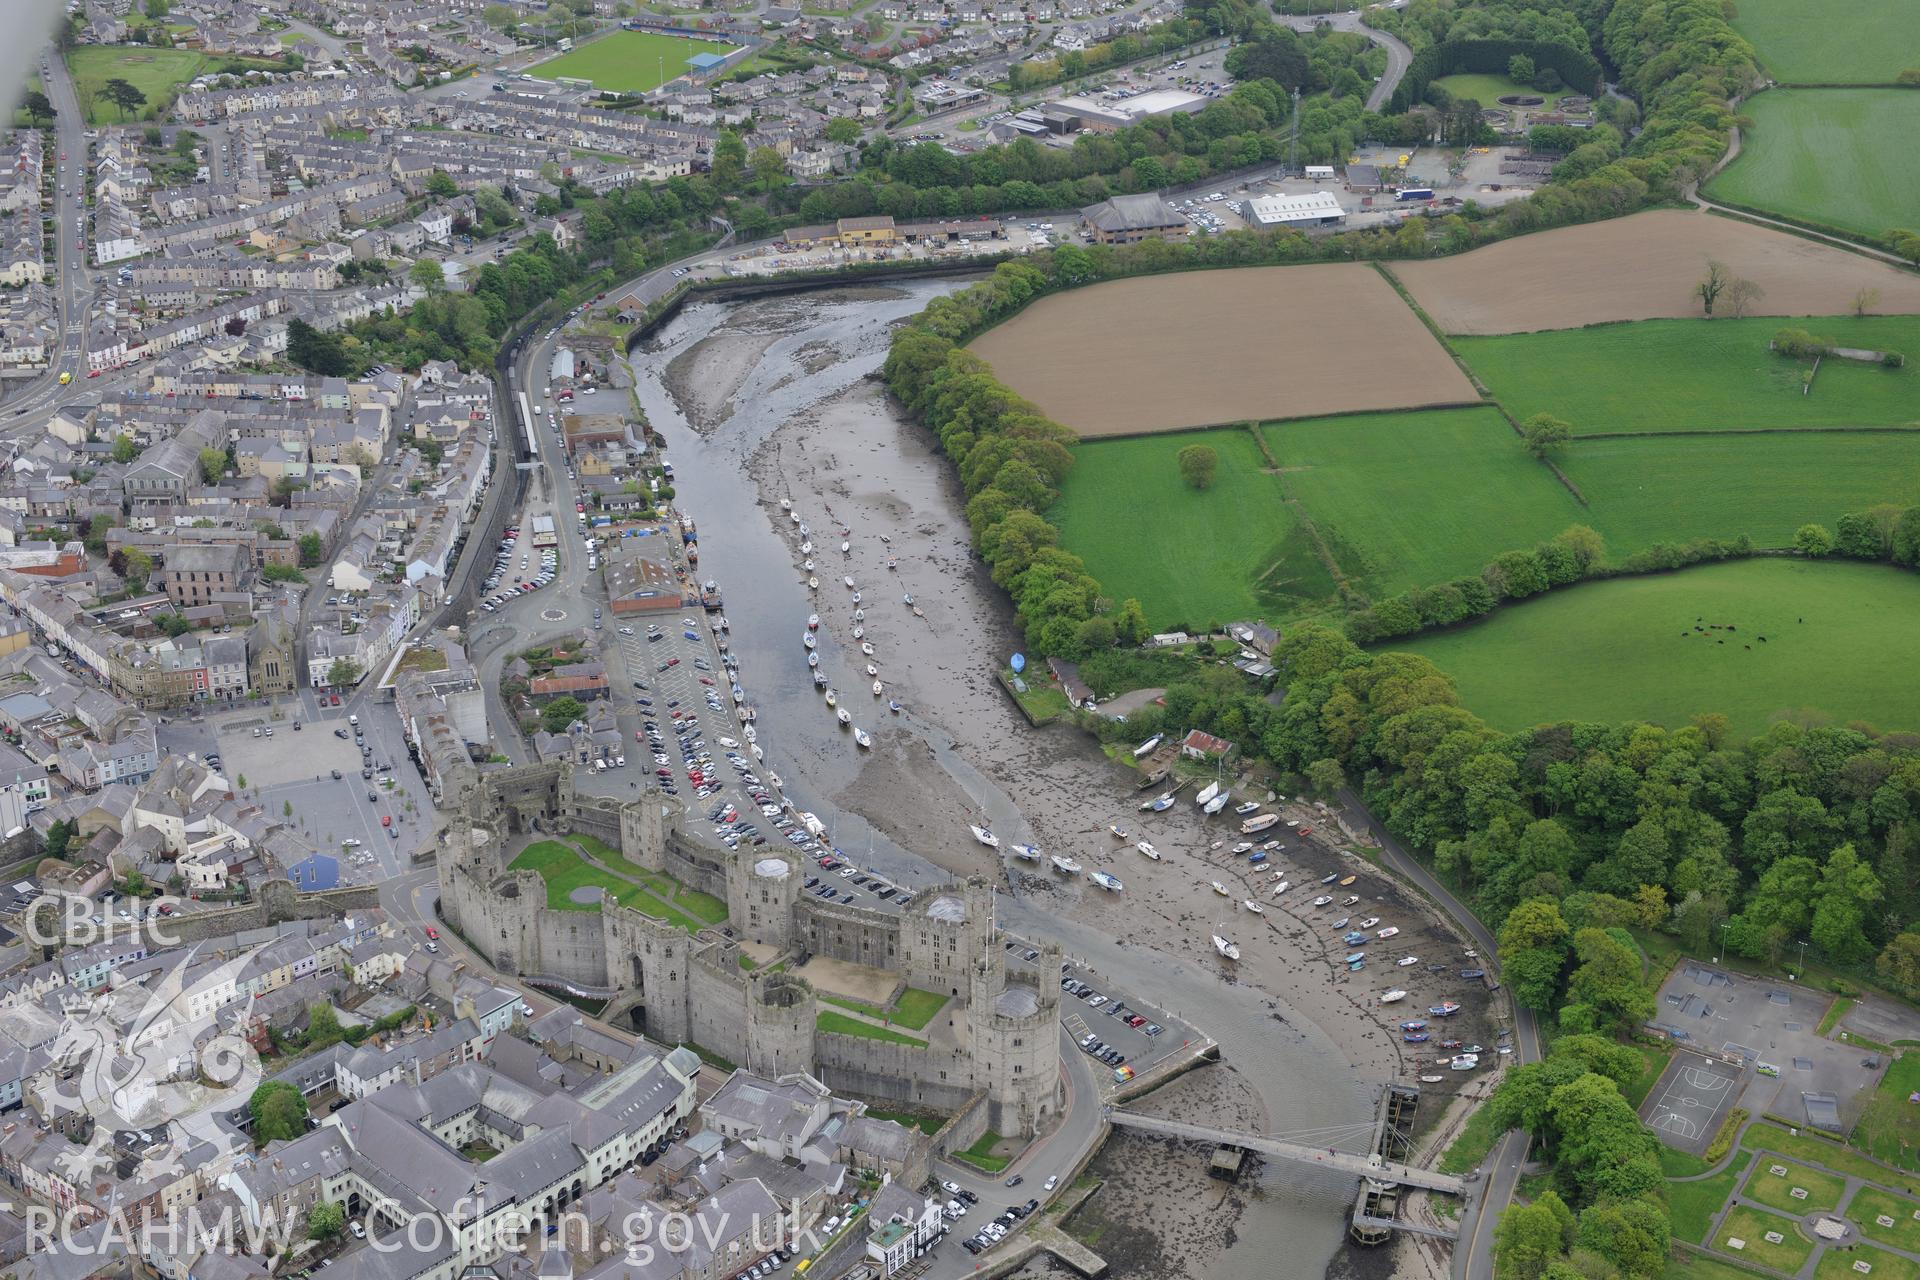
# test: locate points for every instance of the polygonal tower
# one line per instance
(763, 884)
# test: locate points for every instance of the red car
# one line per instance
(673, 662)
(93, 373)
(333, 700)
(433, 933)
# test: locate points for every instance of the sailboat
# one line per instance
(813, 660)
(845, 547)
(1392, 997)
(786, 504)
(894, 706)
(1281, 888)
(806, 548)
(985, 837)
(859, 615)
(856, 597)
(808, 640)
(1148, 849)
(849, 581)
(1146, 746)
(877, 691)
(1028, 852)
(860, 736)
(1220, 889)
(846, 716)
(1254, 907)
(1215, 805)
(833, 699)
(1110, 883)
(908, 598)
(872, 670)
(807, 564)
(819, 679)
(1207, 794)
(813, 584)
(793, 515)
(804, 531)
(1225, 948)
(866, 648)
(1061, 862)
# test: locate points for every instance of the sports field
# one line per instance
(1411, 499)
(1486, 90)
(1189, 556)
(1648, 489)
(1832, 41)
(1700, 375)
(1839, 643)
(630, 61)
(1839, 157)
(158, 73)
(1203, 348)
(1641, 267)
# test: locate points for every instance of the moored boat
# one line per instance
(808, 640)
(866, 648)
(813, 584)
(1220, 889)
(845, 716)
(1281, 888)
(1214, 805)
(908, 599)
(833, 699)
(1392, 997)
(860, 736)
(849, 581)
(877, 690)
(1247, 807)
(1144, 747)
(893, 706)
(985, 837)
(1225, 948)
(1148, 849)
(1260, 823)
(813, 621)
(1061, 862)
(1206, 794)
(1110, 883)
(1030, 853)
(1254, 907)
(813, 660)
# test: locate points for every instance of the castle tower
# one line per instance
(763, 884)
(1016, 1041)
(643, 831)
(650, 961)
(781, 1013)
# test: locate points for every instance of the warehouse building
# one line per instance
(1316, 208)
(1127, 219)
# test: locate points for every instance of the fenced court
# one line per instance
(1686, 1106)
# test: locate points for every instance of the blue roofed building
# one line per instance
(310, 875)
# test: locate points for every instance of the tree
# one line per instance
(1900, 961)
(36, 105)
(1712, 285)
(1326, 777)
(235, 326)
(844, 130)
(428, 274)
(311, 549)
(729, 159)
(59, 836)
(1533, 944)
(1848, 890)
(1743, 294)
(343, 672)
(1531, 1237)
(123, 95)
(326, 1220)
(279, 1112)
(1198, 465)
(1130, 622)
(1543, 431)
(1813, 541)
(124, 449)
(1520, 68)
(441, 185)
(1606, 992)
(1866, 300)
(769, 170)
(139, 570)
(561, 712)
(213, 465)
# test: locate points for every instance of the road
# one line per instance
(1399, 56)
(1473, 1255)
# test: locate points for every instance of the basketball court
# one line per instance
(1686, 1106)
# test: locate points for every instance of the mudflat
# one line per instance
(1642, 268)
(1200, 348)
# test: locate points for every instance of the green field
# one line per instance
(1837, 1264)
(1840, 642)
(1674, 488)
(1750, 1226)
(1831, 41)
(1830, 156)
(1694, 1204)
(1775, 1190)
(1487, 90)
(1693, 1266)
(158, 73)
(1402, 499)
(629, 61)
(563, 870)
(1700, 375)
(1901, 1080)
(1189, 556)
(1869, 1204)
(841, 1024)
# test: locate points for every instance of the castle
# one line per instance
(996, 1039)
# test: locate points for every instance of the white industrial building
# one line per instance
(1312, 209)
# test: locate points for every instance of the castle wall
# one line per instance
(938, 953)
(717, 1009)
(843, 932)
(598, 818)
(926, 1079)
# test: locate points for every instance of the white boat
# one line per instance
(1163, 804)
(739, 694)
(813, 660)
(1148, 849)
(1392, 997)
(872, 670)
(813, 621)
(859, 615)
(849, 581)
(1388, 932)
(985, 837)
(908, 599)
(833, 699)
(813, 584)
(845, 547)
(793, 515)
(806, 548)
(1225, 948)
(856, 597)
(804, 531)
(1248, 807)
(807, 564)
(819, 679)
(1260, 823)
(1207, 793)
(1369, 922)
(750, 733)
(1431, 1079)
(866, 648)
(877, 690)
(808, 640)
(1113, 829)
(1144, 747)
(859, 633)
(1110, 883)
(892, 563)
(846, 716)
(1282, 887)
(894, 706)
(1254, 907)
(860, 736)
(1215, 805)
(786, 504)
(1030, 853)
(1241, 848)
(1220, 889)
(758, 753)
(1061, 862)
(1407, 962)
(1322, 900)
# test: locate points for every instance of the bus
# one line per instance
(1414, 193)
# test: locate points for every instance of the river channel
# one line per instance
(771, 399)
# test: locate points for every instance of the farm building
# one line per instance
(1315, 208)
(1127, 219)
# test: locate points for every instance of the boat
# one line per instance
(758, 752)
(885, 538)
(1445, 1009)
(866, 648)
(1341, 923)
(813, 584)
(786, 504)
(808, 640)
(893, 706)
(1254, 907)
(819, 679)
(1463, 1064)
(813, 622)
(908, 600)
(1355, 957)
(1220, 889)
(1250, 806)
(807, 564)
(892, 562)
(849, 581)
(1416, 1037)
(1243, 847)
(813, 660)
(1330, 877)
(1322, 900)
(859, 633)
(846, 716)
(1163, 804)
(750, 733)
(877, 690)
(804, 531)
(833, 699)
(859, 615)
(1415, 1025)
(739, 694)
(1356, 966)
(806, 548)
(1113, 829)
(1389, 932)
(985, 837)
(856, 597)
(1146, 746)
(1207, 793)
(1105, 881)
(860, 736)
(1214, 805)
(1257, 857)
(1030, 852)
(1473, 973)
(774, 778)
(793, 515)
(845, 547)
(1350, 900)
(1225, 948)
(1347, 881)
(1392, 997)
(1407, 962)
(1260, 823)
(1431, 1079)
(1061, 862)
(1369, 922)
(1147, 848)
(872, 670)
(1281, 888)
(917, 612)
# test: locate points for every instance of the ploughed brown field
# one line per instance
(1643, 268)
(1206, 347)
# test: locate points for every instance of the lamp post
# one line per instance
(1799, 975)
